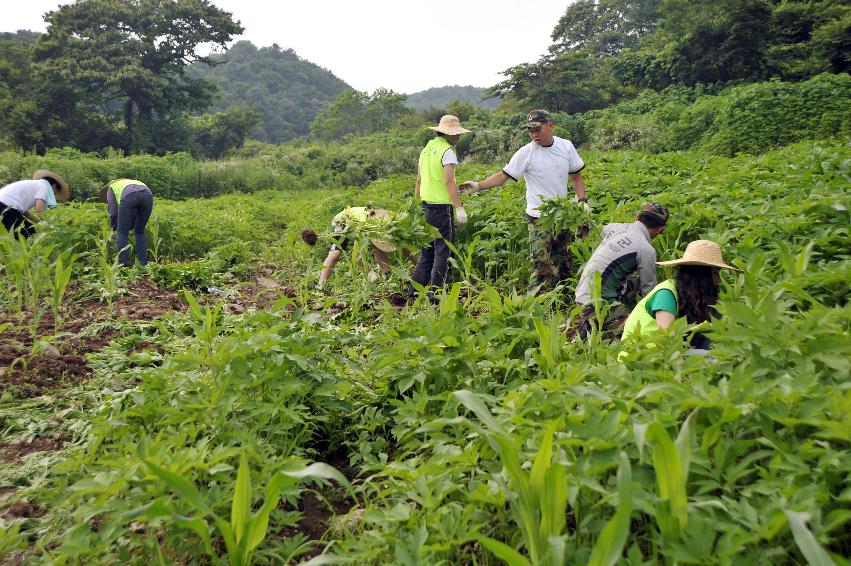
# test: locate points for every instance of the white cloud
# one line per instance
(402, 45)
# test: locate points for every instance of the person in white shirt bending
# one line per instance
(18, 199)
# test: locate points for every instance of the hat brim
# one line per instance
(384, 245)
(64, 192)
(528, 125)
(720, 265)
(450, 131)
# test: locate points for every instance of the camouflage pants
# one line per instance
(551, 257)
(617, 314)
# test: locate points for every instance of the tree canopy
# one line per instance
(113, 73)
(606, 50)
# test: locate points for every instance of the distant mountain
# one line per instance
(439, 97)
(287, 90)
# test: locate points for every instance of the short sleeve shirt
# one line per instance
(546, 170)
(21, 195)
(662, 300)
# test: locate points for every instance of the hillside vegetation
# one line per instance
(286, 90)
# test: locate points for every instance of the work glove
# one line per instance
(585, 206)
(460, 216)
(468, 187)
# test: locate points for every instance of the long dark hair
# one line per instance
(697, 292)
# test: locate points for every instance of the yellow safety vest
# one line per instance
(356, 213)
(119, 185)
(432, 183)
(640, 321)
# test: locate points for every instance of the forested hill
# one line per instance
(285, 89)
(440, 97)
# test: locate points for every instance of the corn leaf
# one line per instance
(807, 543)
(610, 543)
(241, 505)
(504, 552)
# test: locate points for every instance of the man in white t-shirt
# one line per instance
(546, 162)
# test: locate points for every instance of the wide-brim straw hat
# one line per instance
(102, 193)
(701, 252)
(64, 193)
(450, 125)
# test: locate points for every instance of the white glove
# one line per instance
(469, 187)
(585, 206)
(460, 216)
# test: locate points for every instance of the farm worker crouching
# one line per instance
(692, 294)
(41, 193)
(626, 262)
(546, 162)
(340, 224)
(130, 203)
(438, 192)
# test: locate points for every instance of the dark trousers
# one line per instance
(433, 264)
(13, 219)
(134, 210)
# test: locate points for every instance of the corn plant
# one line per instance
(246, 530)
(538, 497)
(109, 267)
(155, 239)
(62, 276)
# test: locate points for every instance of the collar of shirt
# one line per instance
(643, 229)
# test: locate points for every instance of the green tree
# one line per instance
(358, 113)
(214, 134)
(604, 27)
(128, 57)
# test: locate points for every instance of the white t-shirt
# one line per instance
(546, 169)
(21, 195)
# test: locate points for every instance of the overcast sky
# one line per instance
(398, 44)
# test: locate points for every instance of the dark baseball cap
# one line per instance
(656, 210)
(536, 118)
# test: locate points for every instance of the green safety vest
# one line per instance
(432, 183)
(119, 185)
(640, 321)
(356, 213)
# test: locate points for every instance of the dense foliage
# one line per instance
(285, 89)
(112, 73)
(472, 432)
(607, 50)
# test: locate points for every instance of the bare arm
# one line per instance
(39, 205)
(495, 180)
(449, 178)
(417, 187)
(664, 319)
(578, 184)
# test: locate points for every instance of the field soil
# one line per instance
(62, 363)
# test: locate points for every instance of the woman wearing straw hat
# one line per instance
(130, 204)
(692, 293)
(41, 193)
(438, 191)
